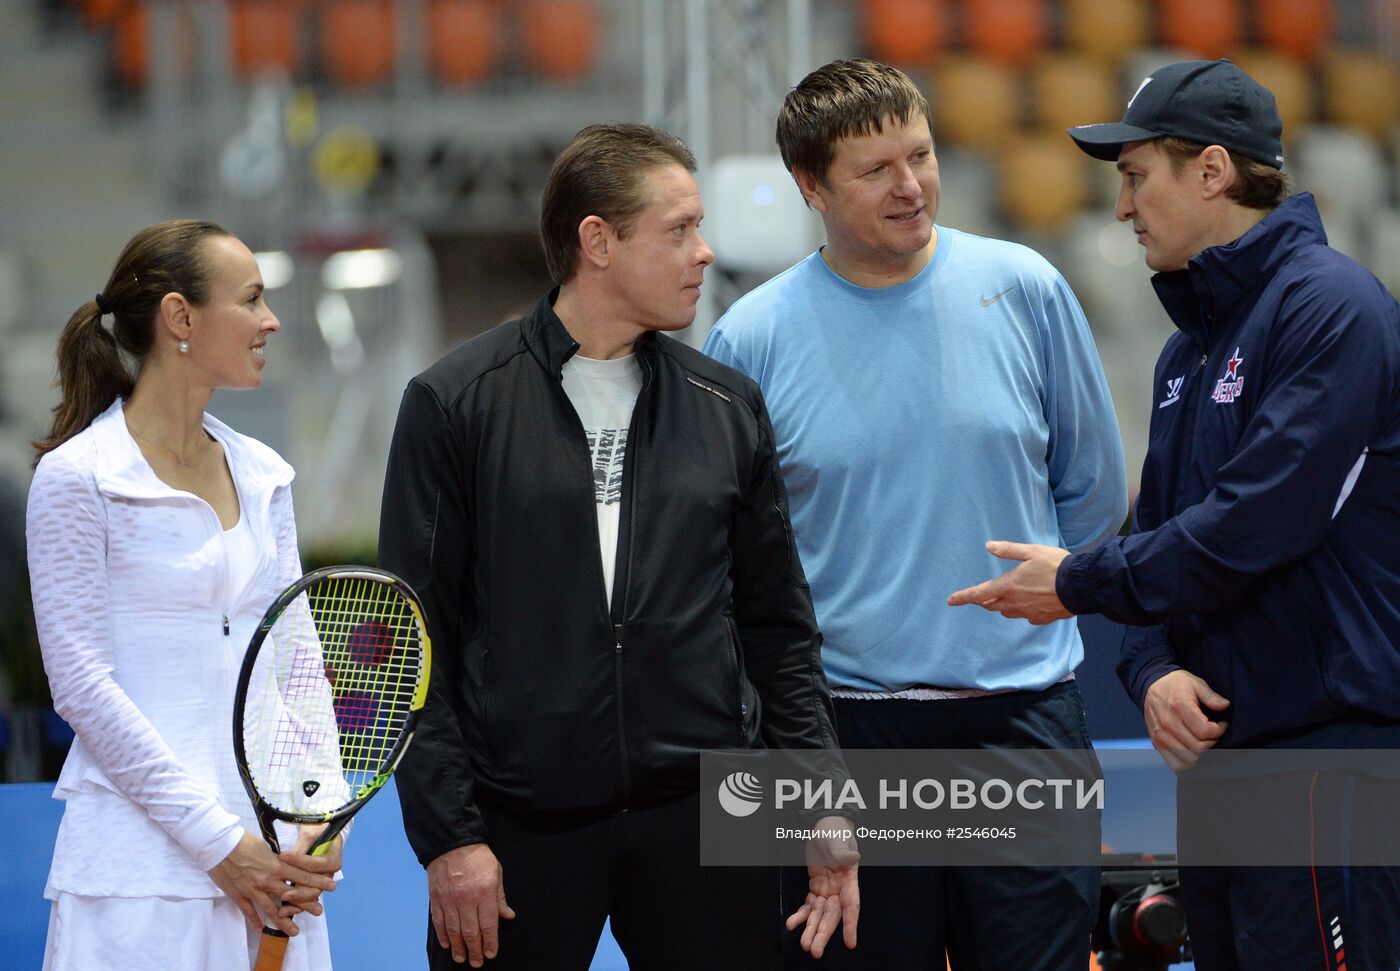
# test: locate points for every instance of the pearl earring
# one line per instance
(184, 347)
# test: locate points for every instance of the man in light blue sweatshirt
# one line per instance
(929, 388)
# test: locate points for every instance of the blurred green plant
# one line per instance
(355, 553)
(19, 645)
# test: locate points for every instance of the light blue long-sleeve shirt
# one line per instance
(914, 423)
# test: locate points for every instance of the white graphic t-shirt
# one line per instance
(603, 393)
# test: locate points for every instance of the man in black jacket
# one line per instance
(594, 517)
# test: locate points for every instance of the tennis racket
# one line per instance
(328, 697)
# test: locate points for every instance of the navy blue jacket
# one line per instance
(1264, 555)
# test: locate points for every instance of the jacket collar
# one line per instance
(551, 343)
(123, 471)
(1220, 280)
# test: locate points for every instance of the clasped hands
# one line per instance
(270, 889)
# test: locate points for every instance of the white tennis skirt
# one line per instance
(168, 934)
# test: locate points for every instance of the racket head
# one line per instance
(329, 694)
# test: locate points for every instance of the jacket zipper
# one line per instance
(621, 565)
(1191, 406)
(622, 571)
(732, 629)
(223, 549)
(621, 719)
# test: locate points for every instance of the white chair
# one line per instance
(1343, 167)
(968, 189)
(1385, 246)
(755, 218)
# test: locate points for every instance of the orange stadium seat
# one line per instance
(131, 45)
(1042, 185)
(104, 13)
(1302, 28)
(358, 41)
(264, 37)
(1361, 89)
(1210, 28)
(1067, 90)
(975, 103)
(1289, 81)
(905, 32)
(560, 37)
(1107, 30)
(1009, 31)
(464, 40)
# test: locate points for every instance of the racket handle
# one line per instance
(322, 846)
(271, 950)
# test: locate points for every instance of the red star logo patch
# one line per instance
(1235, 362)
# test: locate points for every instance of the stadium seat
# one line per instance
(975, 103)
(1106, 30)
(1008, 31)
(104, 13)
(911, 33)
(1300, 28)
(1290, 82)
(1067, 90)
(1208, 28)
(1361, 89)
(464, 40)
(131, 45)
(358, 41)
(1042, 183)
(560, 37)
(264, 37)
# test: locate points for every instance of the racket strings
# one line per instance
(331, 692)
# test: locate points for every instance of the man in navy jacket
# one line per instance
(1262, 571)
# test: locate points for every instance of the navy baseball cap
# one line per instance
(1208, 102)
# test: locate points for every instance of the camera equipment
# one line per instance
(1141, 925)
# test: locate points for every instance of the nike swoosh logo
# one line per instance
(988, 301)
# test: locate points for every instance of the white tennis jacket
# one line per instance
(142, 643)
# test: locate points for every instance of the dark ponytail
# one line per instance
(168, 257)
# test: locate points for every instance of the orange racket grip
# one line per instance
(271, 950)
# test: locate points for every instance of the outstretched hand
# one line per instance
(1027, 592)
(833, 890)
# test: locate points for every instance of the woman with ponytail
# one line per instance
(157, 536)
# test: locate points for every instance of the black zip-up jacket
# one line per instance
(545, 699)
